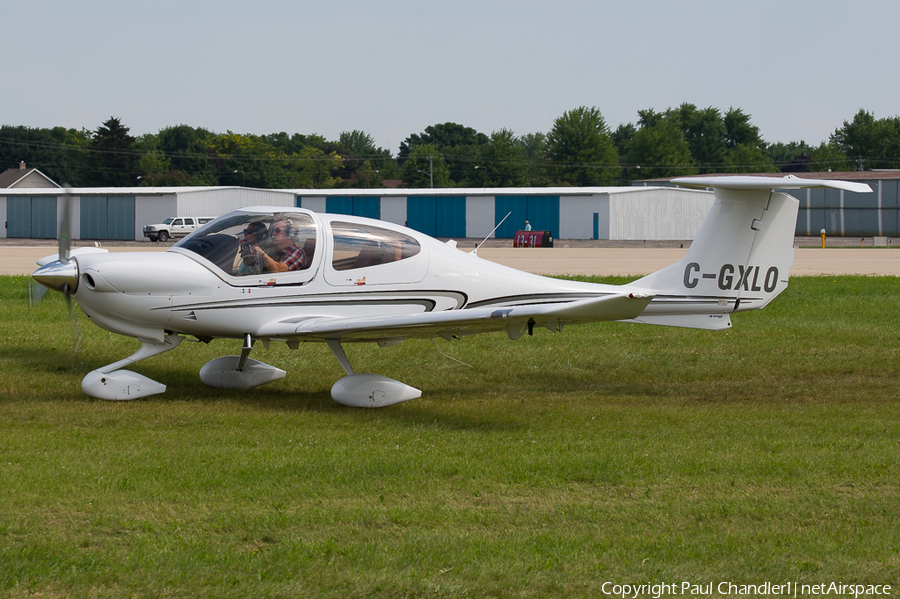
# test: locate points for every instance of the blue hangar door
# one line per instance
(542, 212)
(354, 206)
(107, 217)
(31, 217)
(438, 216)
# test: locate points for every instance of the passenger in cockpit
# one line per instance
(247, 261)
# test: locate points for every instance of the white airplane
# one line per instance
(288, 274)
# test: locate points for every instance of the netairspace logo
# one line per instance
(787, 589)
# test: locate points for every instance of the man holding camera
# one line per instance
(247, 260)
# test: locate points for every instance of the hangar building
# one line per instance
(842, 213)
(647, 210)
(618, 213)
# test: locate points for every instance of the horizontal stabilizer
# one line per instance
(744, 182)
(709, 322)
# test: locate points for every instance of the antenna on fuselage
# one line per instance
(475, 251)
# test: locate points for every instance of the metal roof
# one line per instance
(380, 192)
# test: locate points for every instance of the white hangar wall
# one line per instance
(664, 213)
(577, 216)
(221, 200)
(152, 210)
(393, 210)
(480, 216)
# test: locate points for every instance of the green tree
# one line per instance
(289, 144)
(459, 146)
(745, 149)
(659, 150)
(357, 148)
(871, 143)
(739, 130)
(580, 149)
(749, 158)
(789, 157)
(187, 151)
(248, 161)
(114, 157)
(534, 145)
(358, 143)
(622, 137)
(828, 157)
(313, 168)
(59, 153)
(534, 150)
(444, 135)
(704, 131)
(366, 177)
(501, 162)
(153, 166)
(651, 118)
(424, 162)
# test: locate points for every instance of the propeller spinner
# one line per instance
(60, 274)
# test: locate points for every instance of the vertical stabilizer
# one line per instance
(741, 257)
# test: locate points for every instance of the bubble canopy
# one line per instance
(249, 243)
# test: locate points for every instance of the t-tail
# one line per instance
(741, 257)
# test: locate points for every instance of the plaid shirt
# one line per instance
(293, 256)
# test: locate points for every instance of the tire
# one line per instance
(164, 236)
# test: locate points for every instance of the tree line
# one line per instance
(579, 150)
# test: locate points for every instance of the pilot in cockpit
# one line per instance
(289, 256)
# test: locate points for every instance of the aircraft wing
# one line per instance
(467, 321)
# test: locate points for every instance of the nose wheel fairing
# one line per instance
(112, 383)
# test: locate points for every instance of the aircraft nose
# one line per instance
(58, 276)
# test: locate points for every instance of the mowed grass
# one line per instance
(607, 452)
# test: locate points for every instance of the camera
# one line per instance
(248, 255)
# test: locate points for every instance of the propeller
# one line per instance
(60, 274)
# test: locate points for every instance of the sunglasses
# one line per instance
(280, 230)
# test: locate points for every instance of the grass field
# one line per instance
(608, 452)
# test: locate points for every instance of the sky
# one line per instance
(391, 68)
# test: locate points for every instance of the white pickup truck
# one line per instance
(176, 226)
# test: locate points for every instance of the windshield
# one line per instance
(168, 221)
(252, 244)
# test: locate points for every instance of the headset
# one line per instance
(291, 231)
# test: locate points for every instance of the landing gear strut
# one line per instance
(239, 372)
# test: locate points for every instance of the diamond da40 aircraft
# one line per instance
(291, 275)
